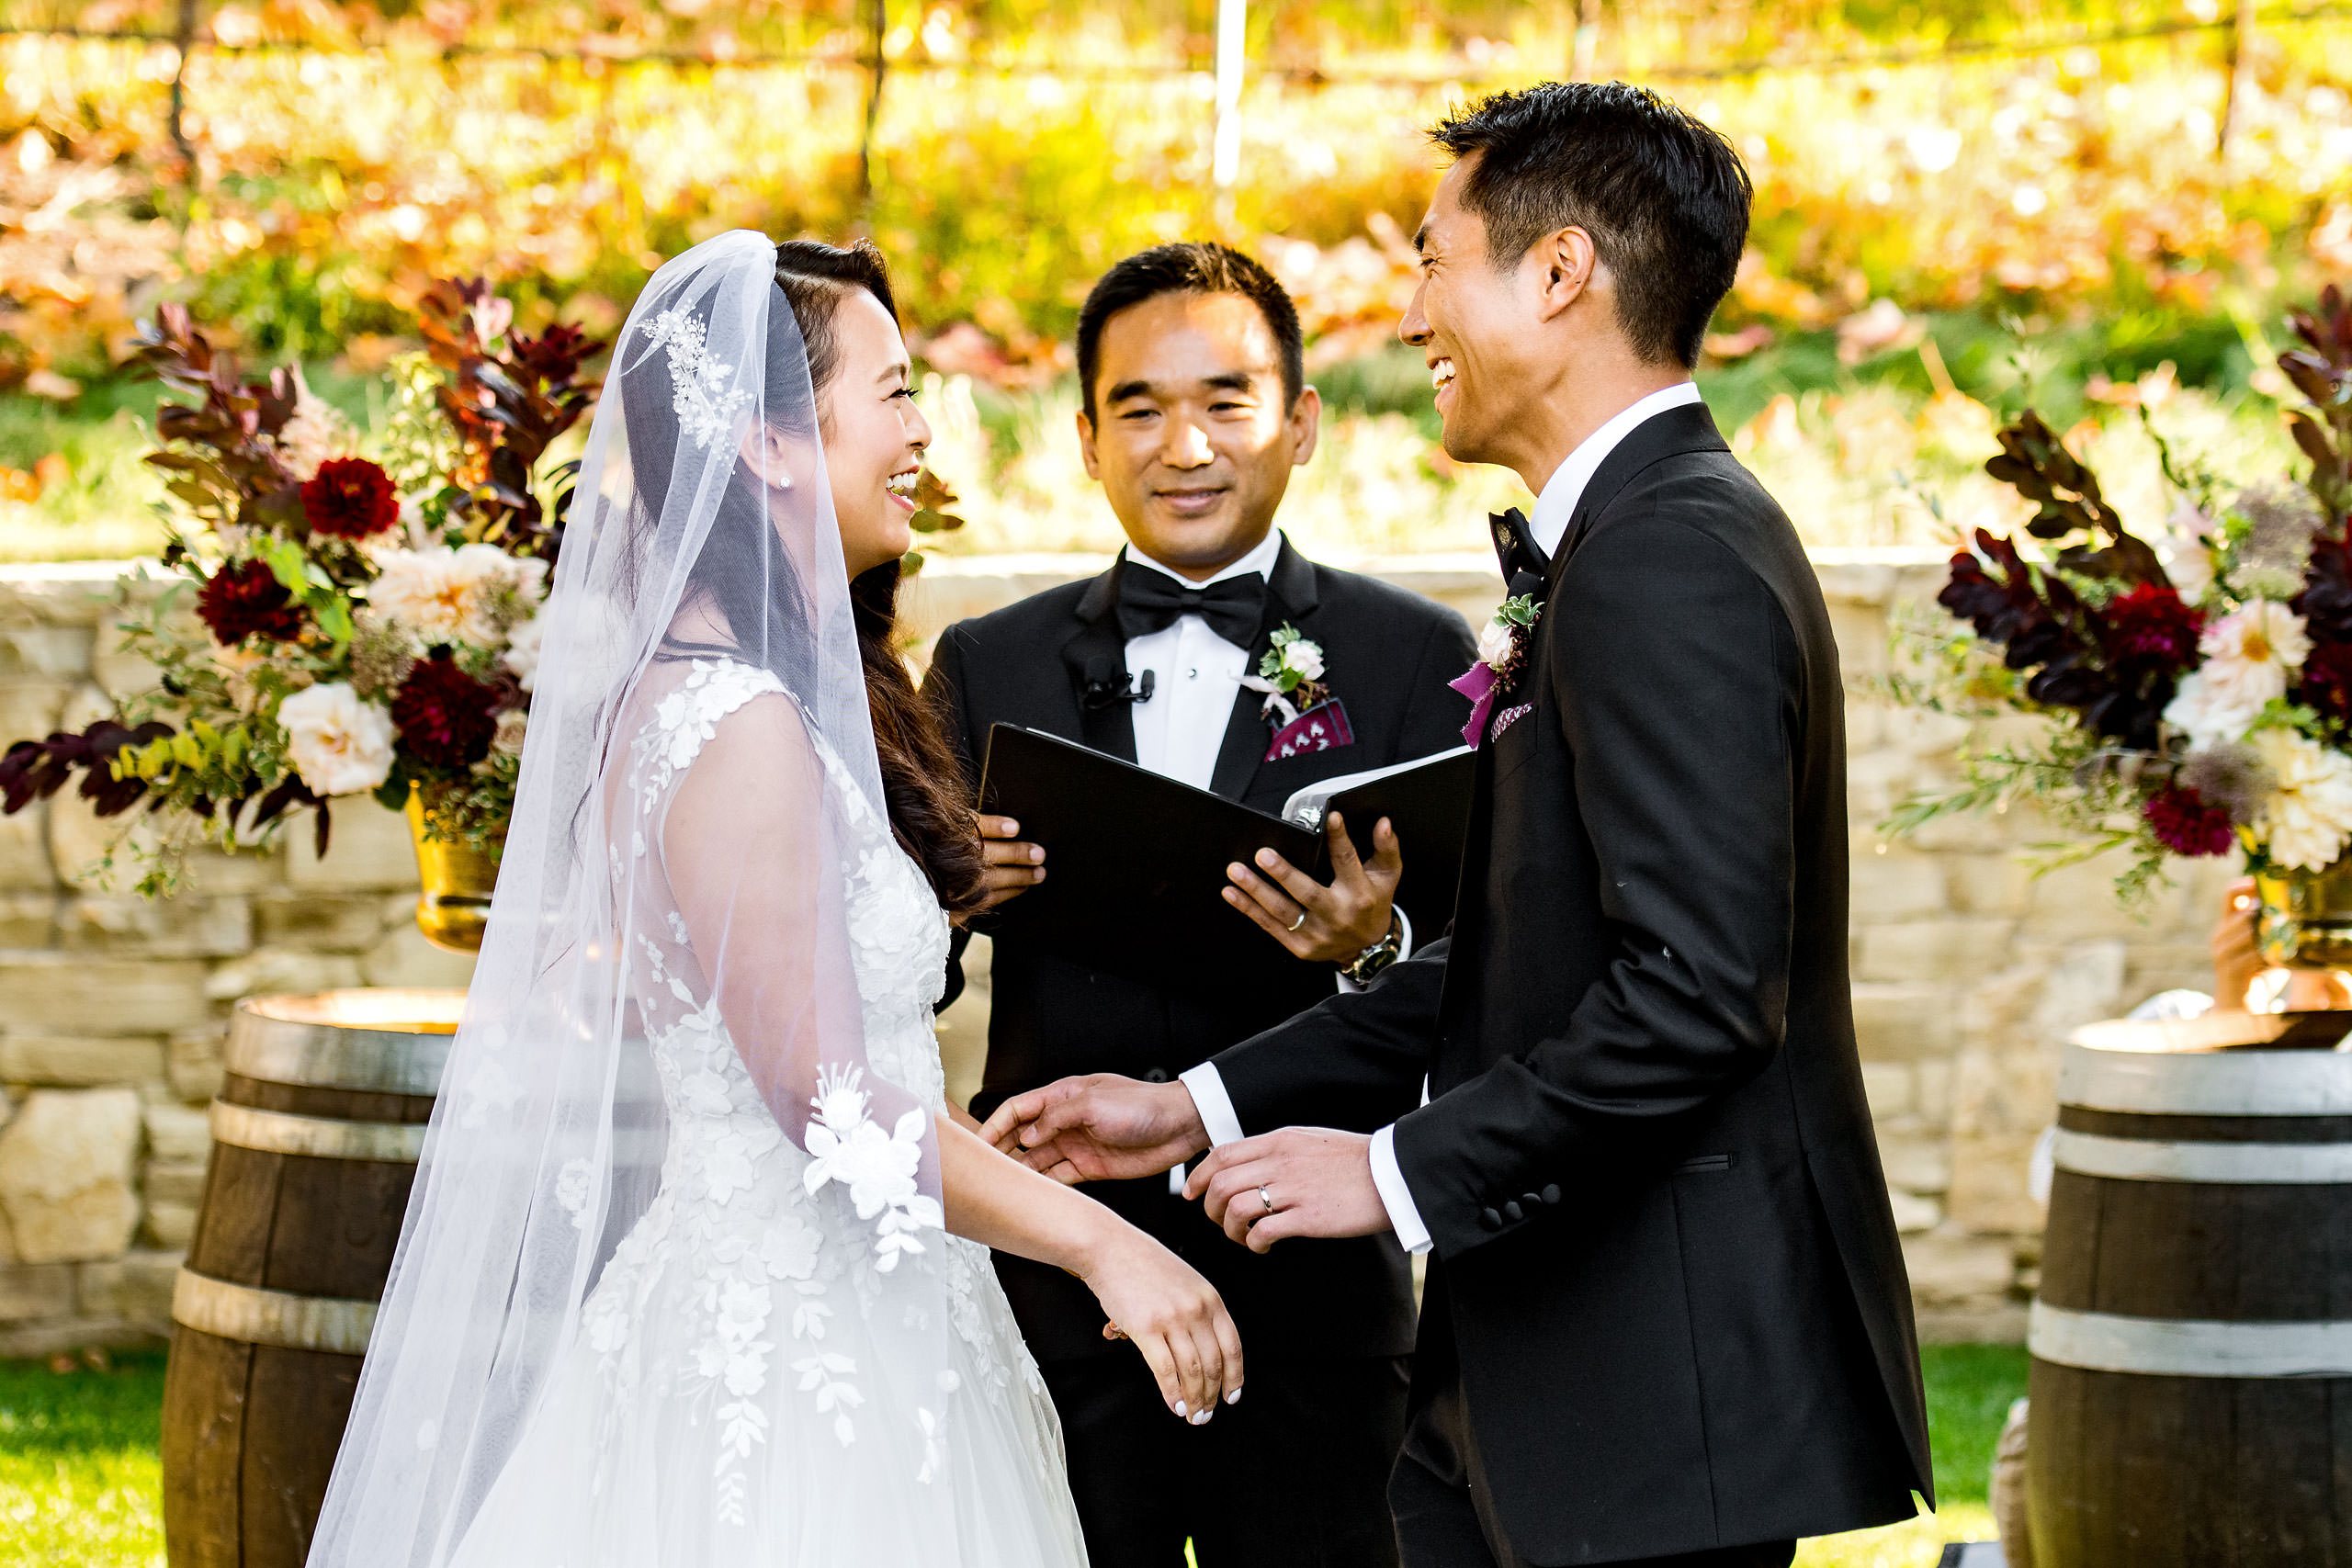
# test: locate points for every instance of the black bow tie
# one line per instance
(1151, 600)
(1515, 546)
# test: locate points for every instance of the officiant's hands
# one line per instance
(1101, 1127)
(1300, 1182)
(1323, 924)
(1014, 866)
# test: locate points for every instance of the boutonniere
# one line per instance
(1298, 704)
(1290, 674)
(1502, 654)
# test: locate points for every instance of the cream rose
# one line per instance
(2306, 822)
(340, 743)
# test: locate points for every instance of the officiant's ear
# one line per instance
(1568, 266)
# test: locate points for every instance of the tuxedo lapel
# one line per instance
(1290, 596)
(1095, 653)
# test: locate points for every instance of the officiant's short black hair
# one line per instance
(1663, 194)
(1193, 266)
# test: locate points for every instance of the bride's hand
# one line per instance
(1174, 1317)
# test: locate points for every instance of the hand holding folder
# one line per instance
(1136, 861)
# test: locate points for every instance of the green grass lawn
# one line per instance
(80, 1487)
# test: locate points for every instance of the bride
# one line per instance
(695, 1268)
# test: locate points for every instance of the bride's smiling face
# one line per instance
(874, 434)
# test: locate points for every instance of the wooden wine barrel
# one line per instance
(2191, 1381)
(315, 1137)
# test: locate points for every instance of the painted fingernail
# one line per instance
(1182, 1411)
(1198, 1417)
(1233, 1396)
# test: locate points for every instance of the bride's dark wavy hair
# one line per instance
(749, 582)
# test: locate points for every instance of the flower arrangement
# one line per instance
(337, 623)
(2203, 680)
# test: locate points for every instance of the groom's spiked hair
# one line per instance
(1662, 193)
(1193, 266)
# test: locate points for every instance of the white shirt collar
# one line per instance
(1259, 560)
(1557, 505)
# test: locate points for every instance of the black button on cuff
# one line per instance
(1490, 1219)
(1156, 1075)
(1530, 1200)
(1552, 1194)
(1513, 1213)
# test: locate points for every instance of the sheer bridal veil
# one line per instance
(644, 891)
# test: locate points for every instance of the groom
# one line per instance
(1667, 1319)
(1195, 412)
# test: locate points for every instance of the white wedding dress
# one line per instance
(742, 1391)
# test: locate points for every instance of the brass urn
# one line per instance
(453, 908)
(2305, 917)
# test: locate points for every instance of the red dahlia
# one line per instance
(2152, 623)
(2327, 680)
(2187, 824)
(244, 599)
(443, 715)
(350, 497)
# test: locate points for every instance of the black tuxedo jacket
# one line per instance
(1665, 1269)
(1389, 654)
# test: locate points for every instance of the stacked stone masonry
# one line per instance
(1968, 970)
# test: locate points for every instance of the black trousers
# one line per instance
(1293, 1476)
(1446, 1513)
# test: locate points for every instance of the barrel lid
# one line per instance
(2101, 1070)
(388, 1040)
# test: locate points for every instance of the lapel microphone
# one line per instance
(1106, 684)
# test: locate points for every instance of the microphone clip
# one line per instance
(1101, 690)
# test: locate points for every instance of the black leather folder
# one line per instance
(1136, 862)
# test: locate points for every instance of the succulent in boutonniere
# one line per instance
(1502, 653)
(1290, 674)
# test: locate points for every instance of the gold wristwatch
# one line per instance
(1379, 955)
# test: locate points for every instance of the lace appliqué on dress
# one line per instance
(846, 1145)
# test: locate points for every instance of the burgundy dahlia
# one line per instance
(244, 599)
(350, 497)
(2326, 682)
(2187, 824)
(443, 715)
(2152, 623)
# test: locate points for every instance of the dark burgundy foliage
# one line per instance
(2036, 463)
(2042, 625)
(2152, 623)
(350, 497)
(2322, 371)
(244, 599)
(2187, 824)
(238, 477)
(444, 717)
(34, 769)
(509, 404)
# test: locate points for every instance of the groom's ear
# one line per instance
(1567, 264)
(1086, 446)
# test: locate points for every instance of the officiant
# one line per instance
(1210, 651)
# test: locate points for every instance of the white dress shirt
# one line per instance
(1197, 675)
(1555, 509)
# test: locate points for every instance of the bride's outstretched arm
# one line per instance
(1155, 1298)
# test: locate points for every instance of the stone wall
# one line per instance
(112, 1009)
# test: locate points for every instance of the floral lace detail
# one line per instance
(846, 1145)
(749, 1254)
(705, 411)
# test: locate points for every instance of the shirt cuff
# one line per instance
(1215, 1106)
(1394, 1196)
(1403, 950)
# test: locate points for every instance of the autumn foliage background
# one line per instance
(2040, 204)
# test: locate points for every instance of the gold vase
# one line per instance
(2305, 918)
(454, 907)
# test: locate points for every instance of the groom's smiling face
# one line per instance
(1193, 439)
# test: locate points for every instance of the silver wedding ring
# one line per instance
(1300, 921)
(1267, 1199)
